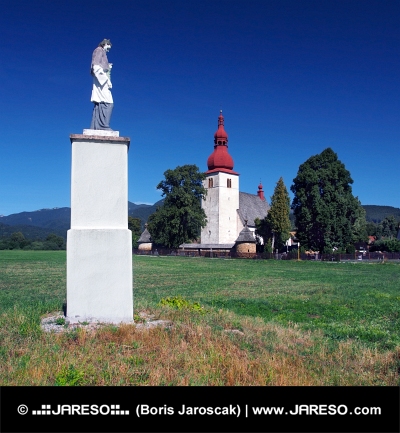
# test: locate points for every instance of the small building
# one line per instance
(145, 243)
(245, 243)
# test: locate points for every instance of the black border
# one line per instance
(387, 398)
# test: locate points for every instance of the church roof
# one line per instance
(145, 237)
(251, 207)
(246, 235)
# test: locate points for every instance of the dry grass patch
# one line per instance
(197, 350)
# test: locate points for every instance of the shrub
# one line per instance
(390, 246)
(179, 303)
(69, 377)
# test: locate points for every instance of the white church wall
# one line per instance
(220, 206)
(210, 233)
(229, 203)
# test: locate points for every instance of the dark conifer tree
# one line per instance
(275, 227)
(327, 214)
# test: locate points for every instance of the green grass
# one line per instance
(344, 300)
(246, 322)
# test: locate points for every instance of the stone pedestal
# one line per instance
(99, 244)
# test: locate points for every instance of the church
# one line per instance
(230, 212)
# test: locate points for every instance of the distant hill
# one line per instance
(30, 232)
(142, 211)
(377, 214)
(374, 213)
(54, 219)
(40, 223)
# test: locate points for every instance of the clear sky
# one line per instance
(292, 78)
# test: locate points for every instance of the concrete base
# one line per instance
(99, 244)
(99, 275)
(99, 182)
(100, 133)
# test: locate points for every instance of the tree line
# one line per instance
(327, 216)
(17, 241)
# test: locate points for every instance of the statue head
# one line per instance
(105, 44)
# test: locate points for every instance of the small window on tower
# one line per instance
(229, 183)
(210, 182)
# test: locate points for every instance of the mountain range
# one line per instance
(40, 223)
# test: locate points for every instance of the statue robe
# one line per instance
(101, 93)
(101, 81)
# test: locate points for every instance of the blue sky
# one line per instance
(292, 78)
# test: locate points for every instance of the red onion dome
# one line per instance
(220, 158)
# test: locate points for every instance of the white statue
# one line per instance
(101, 93)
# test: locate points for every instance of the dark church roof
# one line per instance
(246, 235)
(251, 207)
(145, 237)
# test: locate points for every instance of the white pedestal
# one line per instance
(100, 132)
(99, 244)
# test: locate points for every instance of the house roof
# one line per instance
(251, 207)
(145, 237)
(246, 235)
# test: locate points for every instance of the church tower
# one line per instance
(222, 200)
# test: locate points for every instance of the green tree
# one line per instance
(276, 225)
(389, 227)
(135, 225)
(181, 217)
(17, 241)
(360, 233)
(57, 240)
(324, 207)
(388, 245)
(263, 229)
(379, 231)
(371, 228)
(17, 237)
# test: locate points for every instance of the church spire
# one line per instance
(260, 192)
(220, 160)
(220, 137)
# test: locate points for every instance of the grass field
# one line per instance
(235, 322)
